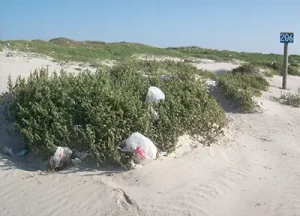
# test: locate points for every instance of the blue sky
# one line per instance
(240, 25)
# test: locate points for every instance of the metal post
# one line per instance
(285, 65)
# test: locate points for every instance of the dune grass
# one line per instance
(241, 85)
(90, 51)
(67, 50)
(291, 99)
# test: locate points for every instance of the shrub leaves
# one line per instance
(93, 112)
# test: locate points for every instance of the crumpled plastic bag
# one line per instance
(61, 156)
(142, 147)
(155, 95)
(9, 151)
(154, 114)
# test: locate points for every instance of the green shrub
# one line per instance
(275, 66)
(93, 112)
(292, 99)
(294, 63)
(246, 69)
(292, 70)
(241, 88)
(61, 40)
(270, 73)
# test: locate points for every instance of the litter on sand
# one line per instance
(142, 147)
(61, 156)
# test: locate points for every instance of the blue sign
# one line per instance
(287, 37)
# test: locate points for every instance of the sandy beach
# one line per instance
(252, 170)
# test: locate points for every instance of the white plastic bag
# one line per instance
(154, 114)
(8, 151)
(61, 156)
(142, 147)
(154, 95)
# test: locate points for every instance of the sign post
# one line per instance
(285, 38)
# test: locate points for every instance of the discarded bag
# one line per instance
(61, 156)
(154, 114)
(9, 151)
(141, 146)
(155, 95)
(22, 153)
(80, 154)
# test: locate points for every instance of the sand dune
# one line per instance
(253, 170)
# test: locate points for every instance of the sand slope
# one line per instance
(21, 63)
(254, 170)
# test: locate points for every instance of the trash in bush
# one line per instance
(9, 54)
(258, 105)
(154, 114)
(164, 154)
(80, 155)
(161, 77)
(166, 77)
(8, 151)
(155, 95)
(22, 153)
(141, 146)
(136, 166)
(76, 161)
(61, 156)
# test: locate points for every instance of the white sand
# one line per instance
(23, 63)
(204, 64)
(216, 67)
(253, 170)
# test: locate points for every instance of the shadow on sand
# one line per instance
(217, 93)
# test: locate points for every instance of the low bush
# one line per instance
(241, 88)
(246, 69)
(93, 112)
(292, 70)
(292, 99)
(275, 66)
(269, 72)
(294, 63)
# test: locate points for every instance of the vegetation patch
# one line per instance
(291, 99)
(242, 85)
(293, 70)
(246, 69)
(277, 68)
(93, 112)
(87, 51)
